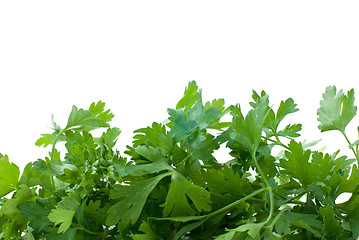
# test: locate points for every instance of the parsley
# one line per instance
(170, 186)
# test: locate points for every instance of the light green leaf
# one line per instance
(217, 103)
(83, 118)
(155, 163)
(284, 109)
(336, 109)
(9, 208)
(63, 217)
(248, 130)
(254, 229)
(65, 211)
(282, 227)
(59, 168)
(227, 236)
(110, 137)
(350, 184)
(155, 136)
(291, 130)
(191, 96)
(9, 176)
(45, 140)
(97, 110)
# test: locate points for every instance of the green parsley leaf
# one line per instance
(110, 137)
(83, 118)
(64, 212)
(309, 222)
(191, 96)
(36, 214)
(9, 176)
(98, 111)
(173, 186)
(285, 108)
(291, 130)
(176, 201)
(131, 200)
(186, 121)
(336, 109)
(353, 219)
(332, 226)
(149, 234)
(248, 130)
(297, 163)
(47, 139)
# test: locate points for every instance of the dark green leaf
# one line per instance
(176, 201)
(149, 234)
(298, 164)
(353, 219)
(35, 214)
(131, 200)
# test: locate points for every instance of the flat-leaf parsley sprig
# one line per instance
(168, 184)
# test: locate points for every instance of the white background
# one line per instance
(138, 57)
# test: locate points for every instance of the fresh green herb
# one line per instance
(170, 186)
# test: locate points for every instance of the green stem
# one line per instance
(276, 142)
(295, 199)
(55, 141)
(351, 147)
(225, 208)
(259, 169)
(53, 152)
(275, 220)
(90, 232)
(269, 188)
(236, 203)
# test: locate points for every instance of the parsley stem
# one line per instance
(225, 208)
(55, 141)
(269, 188)
(275, 220)
(276, 142)
(259, 169)
(52, 155)
(90, 232)
(350, 146)
(229, 206)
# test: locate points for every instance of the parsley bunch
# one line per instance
(171, 187)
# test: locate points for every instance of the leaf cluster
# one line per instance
(169, 185)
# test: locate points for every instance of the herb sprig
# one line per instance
(170, 186)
